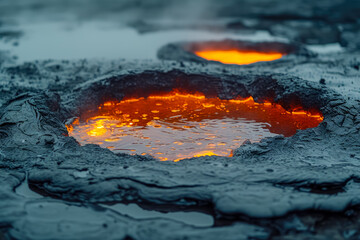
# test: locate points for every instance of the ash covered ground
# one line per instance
(60, 59)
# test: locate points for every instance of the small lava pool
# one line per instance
(239, 57)
(179, 125)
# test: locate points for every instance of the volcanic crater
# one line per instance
(184, 122)
(236, 52)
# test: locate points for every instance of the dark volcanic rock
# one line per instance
(314, 170)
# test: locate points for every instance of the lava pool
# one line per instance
(180, 125)
(239, 57)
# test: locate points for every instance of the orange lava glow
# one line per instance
(237, 56)
(177, 126)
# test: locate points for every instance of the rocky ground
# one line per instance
(303, 187)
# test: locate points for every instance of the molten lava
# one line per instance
(177, 126)
(239, 57)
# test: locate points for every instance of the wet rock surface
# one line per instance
(305, 186)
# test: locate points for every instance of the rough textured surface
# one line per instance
(305, 186)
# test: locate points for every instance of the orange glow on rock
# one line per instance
(177, 126)
(238, 56)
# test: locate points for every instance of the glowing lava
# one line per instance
(239, 57)
(177, 126)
